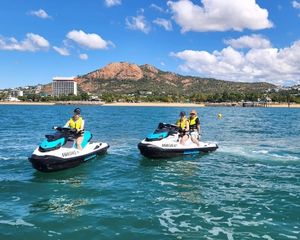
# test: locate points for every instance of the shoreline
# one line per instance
(142, 104)
(28, 103)
(117, 104)
(153, 104)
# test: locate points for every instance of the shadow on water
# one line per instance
(80, 172)
(151, 162)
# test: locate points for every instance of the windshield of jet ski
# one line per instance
(166, 127)
(162, 131)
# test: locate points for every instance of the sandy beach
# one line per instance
(141, 104)
(154, 104)
(27, 103)
(161, 104)
(284, 105)
(117, 104)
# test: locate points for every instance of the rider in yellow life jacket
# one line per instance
(194, 127)
(77, 122)
(183, 125)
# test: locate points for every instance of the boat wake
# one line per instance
(260, 154)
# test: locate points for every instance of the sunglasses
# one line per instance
(192, 113)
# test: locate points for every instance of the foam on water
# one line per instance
(288, 236)
(15, 198)
(13, 157)
(17, 222)
(263, 154)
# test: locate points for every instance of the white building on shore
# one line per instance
(15, 93)
(64, 86)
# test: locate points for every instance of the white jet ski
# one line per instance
(58, 151)
(164, 143)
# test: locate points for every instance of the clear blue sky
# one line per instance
(245, 40)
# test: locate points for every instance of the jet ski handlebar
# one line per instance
(70, 132)
(167, 127)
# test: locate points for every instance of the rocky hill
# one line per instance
(123, 77)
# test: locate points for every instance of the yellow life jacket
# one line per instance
(181, 123)
(192, 122)
(76, 124)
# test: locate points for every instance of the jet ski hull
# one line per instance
(153, 151)
(47, 162)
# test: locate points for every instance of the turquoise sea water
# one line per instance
(248, 189)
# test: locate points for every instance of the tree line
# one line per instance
(39, 98)
(281, 96)
(201, 97)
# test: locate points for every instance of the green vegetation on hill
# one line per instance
(170, 83)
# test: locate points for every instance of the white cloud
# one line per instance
(296, 4)
(219, 15)
(166, 24)
(257, 64)
(158, 8)
(88, 40)
(83, 56)
(62, 51)
(40, 13)
(138, 23)
(253, 41)
(111, 3)
(32, 43)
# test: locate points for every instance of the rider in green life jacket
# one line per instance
(76, 122)
(194, 127)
